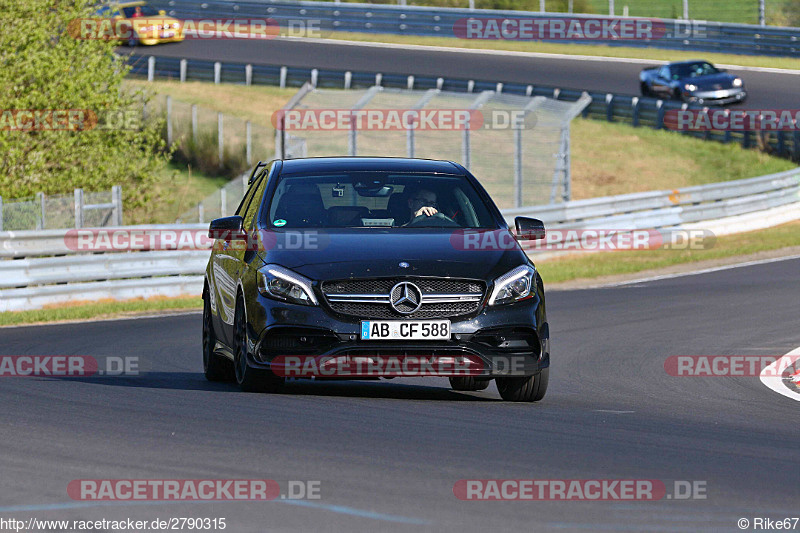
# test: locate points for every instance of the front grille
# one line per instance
(434, 289)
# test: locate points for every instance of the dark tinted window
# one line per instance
(376, 199)
(693, 70)
(146, 11)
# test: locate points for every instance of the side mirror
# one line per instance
(531, 229)
(227, 229)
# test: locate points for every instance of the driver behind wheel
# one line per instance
(423, 202)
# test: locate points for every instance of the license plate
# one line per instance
(373, 330)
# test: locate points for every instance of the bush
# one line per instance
(44, 68)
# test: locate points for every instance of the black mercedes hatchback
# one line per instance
(369, 268)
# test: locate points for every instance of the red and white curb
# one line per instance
(774, 380)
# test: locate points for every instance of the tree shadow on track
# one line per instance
(194, 381)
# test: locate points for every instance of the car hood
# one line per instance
(708, 82)
(359, 253)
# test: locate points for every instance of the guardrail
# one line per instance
(703, 36)
(45, 267)
(637, 111)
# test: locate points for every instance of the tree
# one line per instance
(102, 142)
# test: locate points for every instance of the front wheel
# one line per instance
(524, 389)
(249, 379)
(644, 89)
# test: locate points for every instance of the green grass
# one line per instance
(594, 265)
(98, 310)
(176, 190)
(655, 54)
(741, 11)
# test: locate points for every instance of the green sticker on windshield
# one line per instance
(280, 222)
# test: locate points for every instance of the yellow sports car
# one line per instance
(137, 23)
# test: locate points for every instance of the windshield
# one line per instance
(379, 200)
(143, 11)
(694, 70)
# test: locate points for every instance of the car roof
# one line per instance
(369, 164)
(128, 4)
(689, 62)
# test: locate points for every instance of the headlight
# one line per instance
(689, 87)
(514, 285)
(737, 82)
(282, 284)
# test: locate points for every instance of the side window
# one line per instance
(246, 199)
(664, 73)
(255, 203)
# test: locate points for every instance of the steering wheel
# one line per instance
(438, 220)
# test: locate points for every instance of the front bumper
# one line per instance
(718, 97)
(507, 340)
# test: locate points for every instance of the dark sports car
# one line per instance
(347, 260)
(697, 82)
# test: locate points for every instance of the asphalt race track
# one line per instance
(767, 90)
(387, 454)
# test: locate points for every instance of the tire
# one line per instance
(249, 379)
(525, 389)
(468, 383)
(644, 89)
(215, 367)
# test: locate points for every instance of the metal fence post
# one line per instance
(348, 79)
(183, 70)
(660, 115)
(410, 82)
(635, 105)
(611, 7)
(151, 68)
(762, 13)
(472, 5)
(609, 107)
(249, 143)
(541, 6)
(42, 223)
(194, 123)
(686, 9)
(220, 140)
(169, 119)
(314, 77)
(200, 213)
(116, 199)
(223, 202)
(282, 82)
(378, 79)
(518, 167)
(570, 6)
(78, 208)
(217, 72)
(248, 74)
